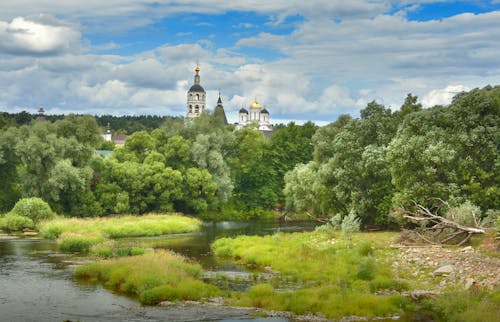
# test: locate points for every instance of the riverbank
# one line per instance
(307, 275)
(368, 277)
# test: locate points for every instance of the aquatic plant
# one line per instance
(152, 277)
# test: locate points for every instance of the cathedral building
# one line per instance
(196, 103)
(256, 114)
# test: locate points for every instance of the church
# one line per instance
(196, 103)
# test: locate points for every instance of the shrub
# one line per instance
(350, 224)
(333, 224)
(33, 208)
(464, 214)
(13, 222)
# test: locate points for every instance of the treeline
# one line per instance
(369, 165)
(193, 167)
(385, 160)
(125, 124)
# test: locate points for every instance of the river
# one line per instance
(36, 281)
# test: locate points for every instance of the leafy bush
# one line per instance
(12, 222)
(33, 208)
(333, 224)
(464, 214)
(350, 224)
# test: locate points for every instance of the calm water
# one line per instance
(36, 282)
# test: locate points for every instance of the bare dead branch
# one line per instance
(435, 229)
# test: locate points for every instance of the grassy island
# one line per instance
(96, 234)
(152, 277)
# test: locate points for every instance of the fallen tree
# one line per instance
(456, 227)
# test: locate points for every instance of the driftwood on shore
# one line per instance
(438, 230)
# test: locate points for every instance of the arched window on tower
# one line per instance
(190, 108)
(197, 97)
(196, 109)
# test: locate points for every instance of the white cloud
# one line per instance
(326, 67)
(42, 36)
(442, 96)
(116, 15)
(245, 25)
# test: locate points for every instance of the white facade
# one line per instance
(255, 114)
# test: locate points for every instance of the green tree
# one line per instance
(10, 184)
(300, 187)
(450, 152)
(352, 169)
(140, 144)
(177, 152)
(199, 190)
(207, 152)
(287, 147)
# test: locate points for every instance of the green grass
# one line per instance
(337, 277)
(75, 242)
(85, 235)
(152, 277)
(465, 306)
(123, 226)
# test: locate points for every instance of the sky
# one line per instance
(302, 60)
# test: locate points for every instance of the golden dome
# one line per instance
(255, 104)
(197, 69)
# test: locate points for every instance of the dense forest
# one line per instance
(369, 165)
(126, 124)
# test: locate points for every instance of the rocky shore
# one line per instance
(437, 268)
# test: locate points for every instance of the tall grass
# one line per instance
(82, 235)
(152, 277)
(123, 226)
(336, 279)
(464, 306)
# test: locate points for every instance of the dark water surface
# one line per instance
(36, 282)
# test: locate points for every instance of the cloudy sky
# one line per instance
(302, 59)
